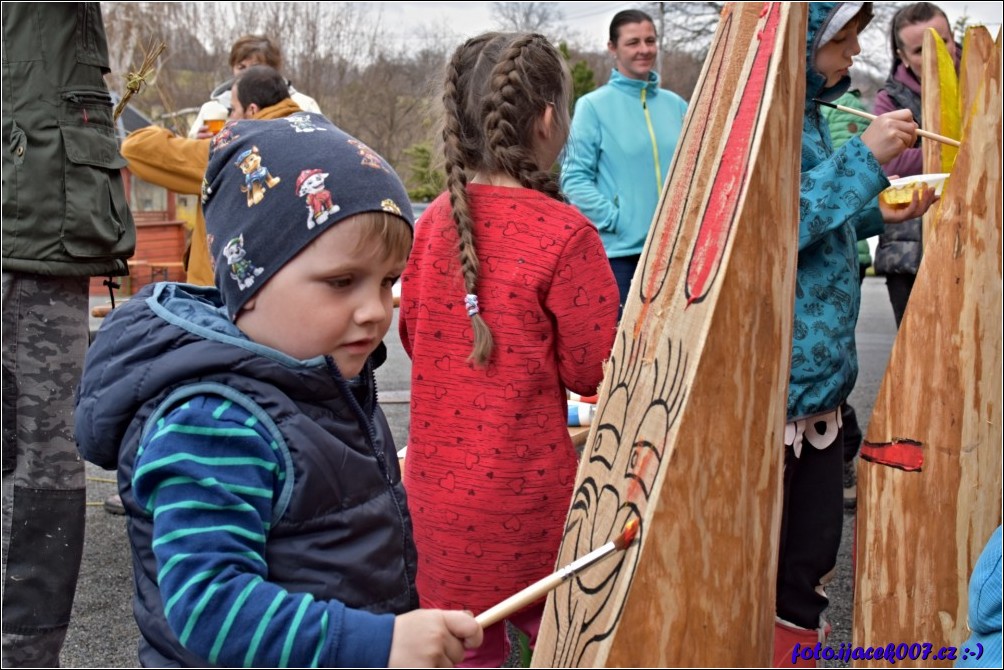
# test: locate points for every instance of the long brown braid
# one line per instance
(497, 87)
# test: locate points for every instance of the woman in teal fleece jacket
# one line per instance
(621, 144)
(838, 204)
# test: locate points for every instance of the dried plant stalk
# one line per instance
(135, 80)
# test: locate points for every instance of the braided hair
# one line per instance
(497, 87)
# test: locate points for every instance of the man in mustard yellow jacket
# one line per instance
(160, 157)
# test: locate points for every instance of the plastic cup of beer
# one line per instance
(215, 120)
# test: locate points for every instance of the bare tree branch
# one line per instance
(532, 17)
(686, 26)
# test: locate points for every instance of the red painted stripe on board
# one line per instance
(731, 177)
(692, 141)
(906, 455)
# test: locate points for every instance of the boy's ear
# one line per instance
(252, 110)
(249, 305)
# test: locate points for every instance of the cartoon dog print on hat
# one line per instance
(310, 185)
(257, 178)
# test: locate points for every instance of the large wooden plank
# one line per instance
(978, 47)
(689, 425)
(929, 485)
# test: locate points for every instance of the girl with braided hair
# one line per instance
(507, 301)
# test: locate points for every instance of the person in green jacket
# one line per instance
(65, 220)
(843, 126)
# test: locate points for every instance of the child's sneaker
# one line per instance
(113, 505)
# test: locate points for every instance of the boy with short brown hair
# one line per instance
(266, 511)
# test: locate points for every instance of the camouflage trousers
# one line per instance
(44, 342)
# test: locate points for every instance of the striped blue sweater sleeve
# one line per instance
(208, 473)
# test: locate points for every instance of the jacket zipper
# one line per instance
(343, 384)
(655, 146)
(358, 410)
(88, 98)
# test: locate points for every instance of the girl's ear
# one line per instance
(545, 124)
(548, 137)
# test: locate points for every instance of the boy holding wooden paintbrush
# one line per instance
(264, 501)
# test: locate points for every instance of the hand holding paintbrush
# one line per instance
(538, 590)
(871, 117)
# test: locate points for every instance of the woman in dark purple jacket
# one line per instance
(900, 248)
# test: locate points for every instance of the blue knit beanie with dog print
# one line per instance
(273, 186)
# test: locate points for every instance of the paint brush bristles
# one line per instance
(538, 590)
(627, 537)
(872, 117)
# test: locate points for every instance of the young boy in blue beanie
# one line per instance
(265, 506)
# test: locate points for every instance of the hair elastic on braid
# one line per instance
(471, 302)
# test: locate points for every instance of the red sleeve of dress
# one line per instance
(403, 311)
(583, 298)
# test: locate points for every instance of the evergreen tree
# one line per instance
(583, 77)
(426, 181)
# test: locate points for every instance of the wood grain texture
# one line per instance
(919, 533)
(691, 412)
(977, 47)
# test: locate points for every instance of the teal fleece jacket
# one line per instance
(837, 206)
(618, 155)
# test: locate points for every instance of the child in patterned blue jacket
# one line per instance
(838, 205)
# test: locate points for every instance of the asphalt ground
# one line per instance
(103, 633)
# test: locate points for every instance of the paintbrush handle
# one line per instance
(850, 110)
(920, 131)
(527, 596)
(539, 589)
(938, 138)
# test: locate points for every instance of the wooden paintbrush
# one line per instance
(538, 590)
(872, 117)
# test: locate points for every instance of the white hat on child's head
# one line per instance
(841, 16)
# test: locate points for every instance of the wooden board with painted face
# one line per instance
(929, 482)
(688, 432)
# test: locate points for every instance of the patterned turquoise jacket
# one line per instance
(837, 206)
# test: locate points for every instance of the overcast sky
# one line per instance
(589, 20)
